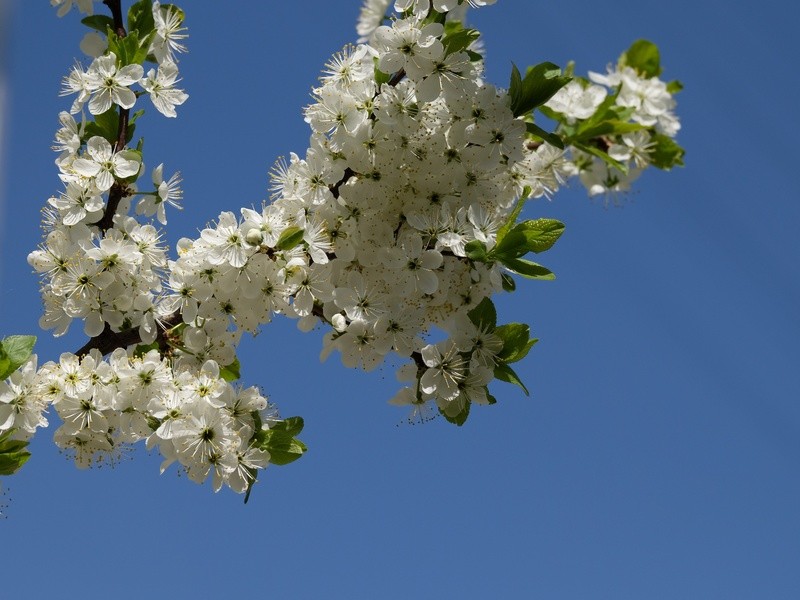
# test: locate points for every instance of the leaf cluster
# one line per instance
(15, 350)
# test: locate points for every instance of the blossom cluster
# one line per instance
(643, 107)
(401, 175)
(101, 264)
(393, 231)
(194, 417)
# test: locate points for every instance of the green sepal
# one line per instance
(540, 84)
(505, 373)
(101, 23)
(15, 350)
(491, 399)
(509, 285)
(140, 17)
(484, 315)
(642, 56)
(665, 152)
(290, 238)
(458, 419)
(517, 341)
(231, 372)
(529, 269)
(545, 136)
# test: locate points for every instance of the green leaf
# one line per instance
(12, 462)
(612, 127)
(665, 152)
(140, 18)
(515, 338)
(476, 250)
(280, 442)
(540, 84)
(380, 76)
(545, 136)
(143, 349)
(484, 315)
(460, 417)
(540, 234)
(230, 372)
(505, 373)
(129, 50)
(516, 341)
(15, 350)
(509, 285)
(513, 245)
(106, 125)
(101, 23)
(290, 238)
(12, 453)
(594, 151)
(459, 40)
(512, 218)
(642, 56)
(673, 87)
(291, 425)
(529, 269)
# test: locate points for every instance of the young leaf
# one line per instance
(529, 269)
(545, 136)
(101, 23)
(512, 218)
(484, 315)
(642, 56)
(15, 350)
(540, 234)
(509, 285)
(505, 373)
(673, 87)
(540, 84)
(12, 453)
(459, 40)
(476, 250)
(460, 417)
(515, 338)
(140, 18)
(665, 152)
(231, 372)
(290, 237)
(105, 125)
(280, 442)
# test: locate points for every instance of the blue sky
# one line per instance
(658, 454)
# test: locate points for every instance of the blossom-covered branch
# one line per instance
(395, 228)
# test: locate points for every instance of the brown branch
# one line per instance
(118, 190)
(109, 340)
(115, 6)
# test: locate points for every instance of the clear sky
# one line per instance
(658, 454)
